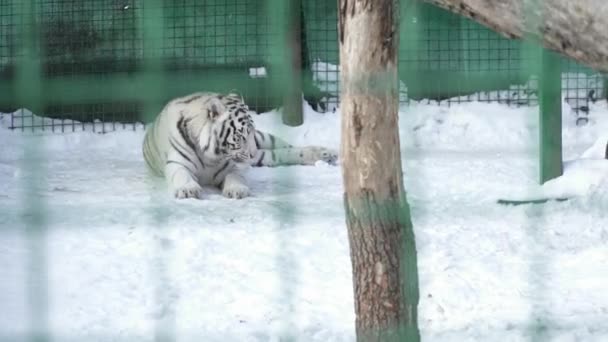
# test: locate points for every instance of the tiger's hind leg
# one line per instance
(308, 155)
(267, 141)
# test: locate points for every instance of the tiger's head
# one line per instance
(232, 129)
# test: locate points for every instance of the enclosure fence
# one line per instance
(91, 56)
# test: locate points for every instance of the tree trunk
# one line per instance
(575, 28)
(382, 246)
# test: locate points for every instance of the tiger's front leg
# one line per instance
(234, 185)
(182, 182)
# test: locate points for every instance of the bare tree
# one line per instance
(382, 246)
(576, 28)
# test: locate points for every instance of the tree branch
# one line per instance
(575, 28)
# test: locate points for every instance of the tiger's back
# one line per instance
(155, 154)
(156, 144)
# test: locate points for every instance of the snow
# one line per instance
(124, 261)
(258, 72)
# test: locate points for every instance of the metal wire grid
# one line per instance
(214, 33)
(76, 38)
(89, 37)
(323, 56)
(581, 88)
(9, 21)
(229, 39)
(452, 59)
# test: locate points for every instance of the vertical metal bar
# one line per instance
(307, 85)
(533, 63)
(152, 24)
(29, 95)
(605, 87)
(277, 12)
(550, 88)
(409, 42)
(292, 110)
(152, 28)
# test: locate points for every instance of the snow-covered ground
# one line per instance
(124, 261)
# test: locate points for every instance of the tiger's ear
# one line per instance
(234, 93)
(214, 112)
(215, 108)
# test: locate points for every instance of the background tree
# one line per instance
(382, 246)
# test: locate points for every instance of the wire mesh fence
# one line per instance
(229, 44)
(457, 60)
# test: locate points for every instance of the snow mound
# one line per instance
(598, 149)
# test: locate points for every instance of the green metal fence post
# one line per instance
(151, 18)
(550, 87)
(30, 95)
(292, 110)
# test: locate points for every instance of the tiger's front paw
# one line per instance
(316, 153)
(235, 191)
(189, 190)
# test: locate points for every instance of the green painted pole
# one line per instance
(292, 109)
(550, 87)
(152, 20)
(31, 96)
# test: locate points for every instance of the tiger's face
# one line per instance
(236, 133)
(235, 143)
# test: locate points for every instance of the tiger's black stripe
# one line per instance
(259, 162)
(200, 159)
(222, 130)
(233, 126)
(218, 172)
(208, 143)
(190, 99)
(182, 127)
(180, 164)
(175, 145)
(174, 141)
(260, 134)
(146, 150)
(258, 141)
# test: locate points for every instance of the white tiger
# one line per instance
(209, 139)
